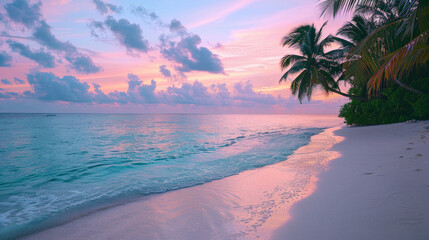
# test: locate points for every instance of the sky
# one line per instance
(167, 56)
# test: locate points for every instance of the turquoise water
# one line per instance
(51, 166)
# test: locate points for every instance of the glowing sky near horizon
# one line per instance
(152, 56)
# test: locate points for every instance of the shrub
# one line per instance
(395, 105)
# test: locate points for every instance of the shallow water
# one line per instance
(51, 165)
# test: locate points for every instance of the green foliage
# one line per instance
(313, 68)
(396, 105)
(384, 57)
(387, 59)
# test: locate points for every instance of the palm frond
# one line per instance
(337, 54)
(423, 15)
(328, 81)
(296, 37)
(287, 60)
(325, 43)
(357, 29)
(400, 62)
(375, 46)
(319, 33)
(297, 67)
(305, 87)
(333, 7)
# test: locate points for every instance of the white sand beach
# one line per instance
(373, 184)
(377, 189)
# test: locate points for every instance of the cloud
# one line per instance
(147, 15)
(20, 11)
(245, 93)
(5, 95)
(3, 19)
(119, 97)
(147, 92)
(198, 94)
(195, 93)
(83, 64)
(100, 96)
(18, 81)
(14, 94)
(44, 36)
(79, 62)
(6, 82)
(105, 8)
(42, 58)
(138, 92)
(221, 90)
(218, 46)
(190, 57)
(164, 71)
(48, 87)
(5, 59)
(134, 81)
(185, 51)
(176, 26)
(128, 34)
(96, 26)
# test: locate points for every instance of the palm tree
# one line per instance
(381, 12)
(314, 68)
(352, 33)
(404, 60)
(396, 48)
(355, 30)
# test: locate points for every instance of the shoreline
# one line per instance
(250, 204)
(377, 189)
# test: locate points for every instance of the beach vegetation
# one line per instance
(314, 68)
(382, 57)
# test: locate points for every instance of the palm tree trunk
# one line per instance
(408, 87)
(348, 95)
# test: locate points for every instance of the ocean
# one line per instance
(54, 166)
